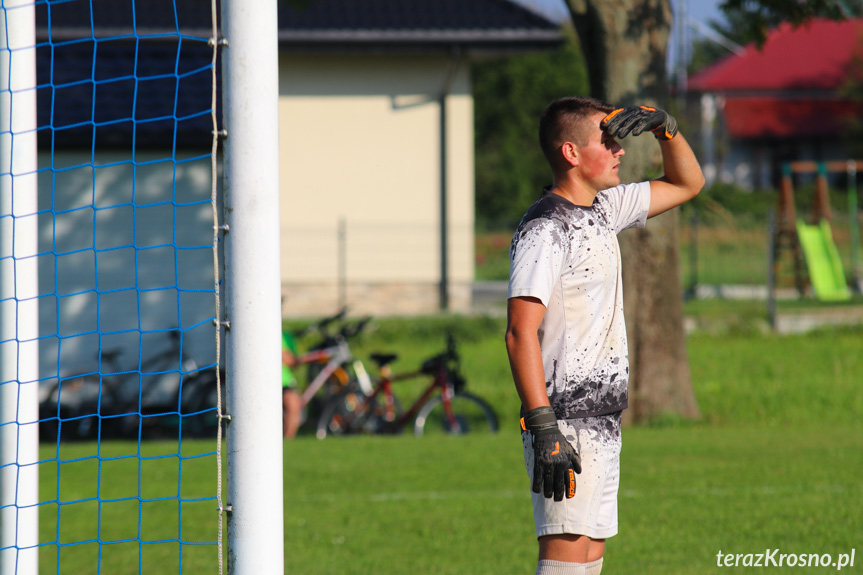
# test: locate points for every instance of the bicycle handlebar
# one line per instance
(321, 325)
(349, 331)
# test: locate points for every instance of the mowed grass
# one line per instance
(775, 462)
(397, 505)
(123, 508)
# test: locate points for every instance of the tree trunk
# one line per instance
(624, 44)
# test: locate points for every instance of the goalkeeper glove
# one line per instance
(555, 462)
(637, 119)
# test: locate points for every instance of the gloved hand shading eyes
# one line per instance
(638, 119)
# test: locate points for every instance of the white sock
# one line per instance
(549, 567)
(593, 568)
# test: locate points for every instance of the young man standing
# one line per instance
(566, 337)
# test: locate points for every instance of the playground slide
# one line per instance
(822, 259)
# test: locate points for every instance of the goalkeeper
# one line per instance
(566, 337)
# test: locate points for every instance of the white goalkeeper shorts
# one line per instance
(593, 510)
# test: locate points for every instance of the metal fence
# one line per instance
(732, 255)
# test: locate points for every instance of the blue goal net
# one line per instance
(129, 457)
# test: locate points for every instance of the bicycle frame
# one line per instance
(335, 353)
(114, 393)
(158, 375)
(440, 381)
(335, 356)
(443, 403)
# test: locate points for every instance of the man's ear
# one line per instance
(569, 152)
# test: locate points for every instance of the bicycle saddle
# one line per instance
(383, 359)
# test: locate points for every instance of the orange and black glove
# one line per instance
(637, 119)
(555, 462)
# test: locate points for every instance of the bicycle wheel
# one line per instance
(352, 412)
(71, 409)
(199, 398)
(340, 381)
(470, 414)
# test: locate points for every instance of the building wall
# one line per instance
(750, 163)
(360, 183)
(755, 165)
(125, 244)
(125, 252)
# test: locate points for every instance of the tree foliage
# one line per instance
(750, 21)
(852, 136)
(510, 93)
(755, 18)
(705, 51)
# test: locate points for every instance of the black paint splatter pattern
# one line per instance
(568, 256)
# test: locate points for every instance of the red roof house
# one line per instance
(783, 101)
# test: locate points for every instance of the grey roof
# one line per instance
(316, 23)
(114, 73)
(411, 24)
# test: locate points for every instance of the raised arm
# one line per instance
(683, 178)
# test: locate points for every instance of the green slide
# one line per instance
(822, 259)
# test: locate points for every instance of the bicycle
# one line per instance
(142, 400)
(332, 367)
(443, 407)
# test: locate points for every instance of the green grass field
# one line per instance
(775, 462)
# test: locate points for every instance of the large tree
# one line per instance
(624, 44)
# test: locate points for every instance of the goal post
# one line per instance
(104, 235)
(253, 292)
(19, 338)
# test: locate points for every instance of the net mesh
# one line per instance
(129, 385)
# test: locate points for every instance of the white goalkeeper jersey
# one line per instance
(568, 257)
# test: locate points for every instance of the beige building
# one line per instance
(376, 136)
(361, 182)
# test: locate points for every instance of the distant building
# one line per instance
(376, 138)
(377, 147)
(375, 117)
(761, 108)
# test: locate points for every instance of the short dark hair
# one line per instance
(564, 121)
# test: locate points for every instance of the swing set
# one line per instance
(813, 240)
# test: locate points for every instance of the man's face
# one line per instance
(600, 157)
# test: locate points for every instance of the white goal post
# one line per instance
(19, 308)
(250, 92)
(252, 319)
